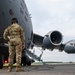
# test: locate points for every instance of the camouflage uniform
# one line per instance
(15, 36)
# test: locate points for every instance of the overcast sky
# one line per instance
(48, 15)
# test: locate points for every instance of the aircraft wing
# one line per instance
(38, 40)
(53, 40)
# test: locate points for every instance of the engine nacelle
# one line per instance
(70, 47)
(52, 40)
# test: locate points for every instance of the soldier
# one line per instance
(14, 34)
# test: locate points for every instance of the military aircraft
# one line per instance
(52, 40)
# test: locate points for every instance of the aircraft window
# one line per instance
(22, 5)
(25, 18)
(26, 14)
(71, 43)
(21, 11)
(11, 12)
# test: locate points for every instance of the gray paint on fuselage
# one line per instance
(18, 9)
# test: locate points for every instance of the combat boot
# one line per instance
(19, 70)
(9, 69)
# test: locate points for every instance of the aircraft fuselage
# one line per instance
(13, 8)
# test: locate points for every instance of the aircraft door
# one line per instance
(1, 23)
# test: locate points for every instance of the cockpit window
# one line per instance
(71, 43)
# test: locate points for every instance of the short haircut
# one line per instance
(13, 20)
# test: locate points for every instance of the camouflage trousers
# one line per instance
(15, 49)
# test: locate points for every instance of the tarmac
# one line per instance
(59, 69)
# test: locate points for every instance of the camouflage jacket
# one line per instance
(14, 31)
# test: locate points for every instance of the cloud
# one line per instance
(56, 13)
(48, 15)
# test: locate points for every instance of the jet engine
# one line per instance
(52, 40)
(70, 47)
